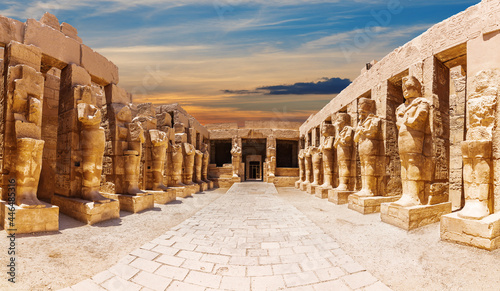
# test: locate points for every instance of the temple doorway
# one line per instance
(253, 168)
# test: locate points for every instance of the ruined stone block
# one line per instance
(115, 94)
(103, 71)
(58, 50)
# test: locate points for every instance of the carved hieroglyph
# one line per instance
(24, 147)
(343, 143)
(206, 161)
(316, 157)
(368, 138)
(271, 156)
(189, 153)
(326, 148)
(411, 121)
(133, 158)
(160, 142)
(92, 143)
(302, 165)
(477, 149)
(198, 165)
(236, 154)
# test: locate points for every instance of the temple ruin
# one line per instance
(414, 137)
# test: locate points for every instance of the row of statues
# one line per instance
(412, 122)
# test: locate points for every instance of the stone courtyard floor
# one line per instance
(249, 239)
(254, 237)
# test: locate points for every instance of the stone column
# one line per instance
(344, 144)
(160, 142)
(236, 153)
(198, 164)
(22, 102)
(271, 158)
(189, 153)
(327, 150)
(206, 161)
(302, 170)
(368, 138)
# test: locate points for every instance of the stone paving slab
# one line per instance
(249, 239)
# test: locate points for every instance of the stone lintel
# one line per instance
(409, 218)
(86, 211)
(367, 205)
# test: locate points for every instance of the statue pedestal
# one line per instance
(192, 189)
(203, 186)
(86, 211)
(181, 192)
(133, 203)
(484, 233)
(339, 197)
(28, 220)
(370, 204)
(322, 193)
(311, 189)
(303, 186)
(163, 197)
(210, 184)
(409, 218)
(297, 184)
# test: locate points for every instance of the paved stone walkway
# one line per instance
(249, 239)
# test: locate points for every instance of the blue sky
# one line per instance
(211, 56)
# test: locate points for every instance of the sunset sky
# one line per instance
(235, 60)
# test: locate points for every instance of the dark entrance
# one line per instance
(255, 171)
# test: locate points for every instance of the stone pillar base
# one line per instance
(339, 197)
(297, 184)
(29, 220)
(203, 186)
(409, 218)
(210, 184)
(163, 197)
(370, 204)
(484, 233)
(181, 192)
(303, 186)
(192, 189)
(133, 203)
(311, 189)
(321, 192)
(86, 211)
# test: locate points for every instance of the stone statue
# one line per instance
(177, 161)
(271, 157)
(160, 142)
(302, 165)
(316, 165)
(236, 153)
(477, 148)
(308, 165)
(206, 161)
(411, 121)
(198, 165)
(326, 148)
(92, 143)
(368, 138)
(25, 88)
(133, 158)
(343, 143)
(189, 153)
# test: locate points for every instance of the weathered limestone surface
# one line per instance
(327, 150)
(87, 211)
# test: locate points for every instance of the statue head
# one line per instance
(366, 107)
(342, 120)
(411, 87)
(327, 129)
